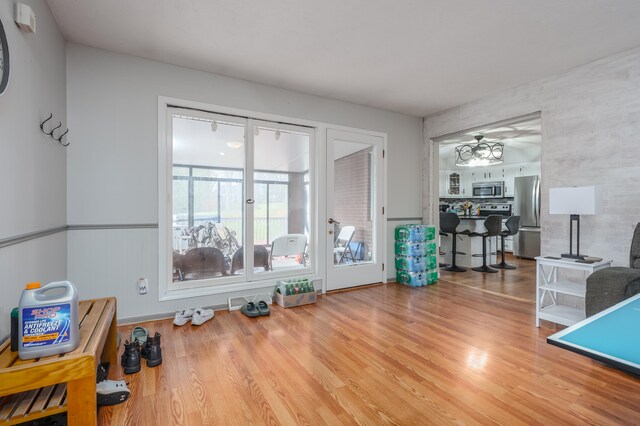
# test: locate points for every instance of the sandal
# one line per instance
(250, 310)
(263, 308)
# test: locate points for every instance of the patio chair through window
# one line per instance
(342, 248)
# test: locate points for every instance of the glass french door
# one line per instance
(354, 228)
(280, 204)
(239, 199)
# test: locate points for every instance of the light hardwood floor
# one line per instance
(516, 283)
(386, 354)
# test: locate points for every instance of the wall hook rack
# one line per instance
(59, 139)
(50, 133)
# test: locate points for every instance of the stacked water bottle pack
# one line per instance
(416, 261)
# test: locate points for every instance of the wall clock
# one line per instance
(4, 60)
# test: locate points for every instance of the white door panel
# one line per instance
(355, 219)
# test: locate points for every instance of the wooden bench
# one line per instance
(35, 388)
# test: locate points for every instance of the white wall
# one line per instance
(32, 165)
(112, 173)
(590, 128)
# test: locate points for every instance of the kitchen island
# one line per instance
(469, 245)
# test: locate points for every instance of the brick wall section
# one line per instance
(352, 192)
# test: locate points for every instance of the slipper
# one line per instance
(139, 333)
(250, 310)
(263, 308)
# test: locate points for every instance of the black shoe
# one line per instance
(130, 359)
(152, 351)
(102, 372)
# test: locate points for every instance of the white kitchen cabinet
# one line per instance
(465, 186)
(508, 244)
(508, 241)
(486, 174)
(459, 182)
(509, 176)
(453, 183)
(528, 169)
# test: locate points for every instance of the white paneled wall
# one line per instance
(112, 172)
(32, 165)
(108, 262)
(42, 259)
(590, 128)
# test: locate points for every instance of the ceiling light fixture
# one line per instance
(214, 126)
(479, 154)
(277, 135)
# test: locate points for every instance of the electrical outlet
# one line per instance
(143, 285)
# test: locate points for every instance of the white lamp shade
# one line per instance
(574, 200)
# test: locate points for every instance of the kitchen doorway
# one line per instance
(492, 169)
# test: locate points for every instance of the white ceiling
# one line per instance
(522, 142)
(415, 56)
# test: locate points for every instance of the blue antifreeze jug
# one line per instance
(48, 319)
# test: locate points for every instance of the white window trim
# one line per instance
(317, 194)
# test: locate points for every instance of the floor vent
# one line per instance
(236, 303)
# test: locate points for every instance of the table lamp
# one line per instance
(574, 201)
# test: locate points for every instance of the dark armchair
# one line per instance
(609, 286)
(203, 262)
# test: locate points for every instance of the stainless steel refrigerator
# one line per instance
(526, 204)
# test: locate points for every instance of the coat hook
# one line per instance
(54, 129)
(42, 124)
(60, 139)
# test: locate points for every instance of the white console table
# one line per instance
(548, 286)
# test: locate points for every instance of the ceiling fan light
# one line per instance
(479, 153)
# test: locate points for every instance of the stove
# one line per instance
(502, 209)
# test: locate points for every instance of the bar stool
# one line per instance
(493, 225)
(513, 225)
(449, 225)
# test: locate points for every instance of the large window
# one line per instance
(203, 195)
(215, 207)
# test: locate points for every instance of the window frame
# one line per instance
(168, 290)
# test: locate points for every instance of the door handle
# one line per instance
(332, 221)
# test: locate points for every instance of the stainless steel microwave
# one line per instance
(488, 190)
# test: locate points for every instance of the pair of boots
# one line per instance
(150, 351)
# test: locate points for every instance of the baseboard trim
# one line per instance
(162, 316)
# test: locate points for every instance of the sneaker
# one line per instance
(112, 392)
(200, 316)
(182, 317)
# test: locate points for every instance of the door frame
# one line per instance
(380, 230)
